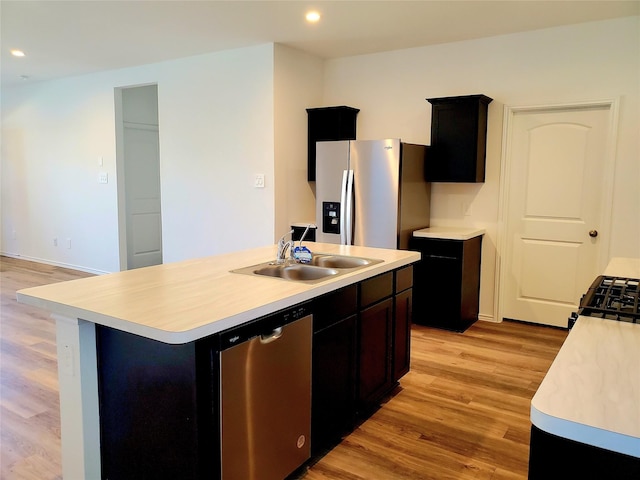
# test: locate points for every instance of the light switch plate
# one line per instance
(103, 177)
(259, 182)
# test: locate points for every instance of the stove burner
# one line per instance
(613, 298)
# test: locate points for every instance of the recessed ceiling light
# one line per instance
(312, 17)
(17, 53)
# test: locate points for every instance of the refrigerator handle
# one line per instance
(349, 219)
(343, 208)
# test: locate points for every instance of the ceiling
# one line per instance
(65, 38)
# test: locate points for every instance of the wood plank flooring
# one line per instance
(461, 413)
(29, 404)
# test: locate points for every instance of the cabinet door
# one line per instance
(437, 282)
(328, 123)
(458, 139)
(447, 282)
(334, 382)
(375, 333)
(402, 334)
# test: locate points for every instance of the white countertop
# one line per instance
(591, 393)
(184, 301)
(449, 233)
(623, 267)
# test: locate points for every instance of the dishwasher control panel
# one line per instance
(262, 326)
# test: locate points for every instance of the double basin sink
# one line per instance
(321, 267)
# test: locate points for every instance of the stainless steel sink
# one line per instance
(322, 266)
(341, 261)
(296, 271)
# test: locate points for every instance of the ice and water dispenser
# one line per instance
(331, 217)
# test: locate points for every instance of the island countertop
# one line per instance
(591, 393)
(188, 300)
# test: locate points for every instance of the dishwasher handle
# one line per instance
(271, 337)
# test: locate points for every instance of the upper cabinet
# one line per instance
(458, 139)
(328, 123)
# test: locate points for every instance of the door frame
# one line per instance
(123, 248)
(505, 181)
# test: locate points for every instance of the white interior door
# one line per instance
(138, 163)
(142, 184)
(557, 201)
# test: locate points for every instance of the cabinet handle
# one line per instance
(445, 257)
(271, 337)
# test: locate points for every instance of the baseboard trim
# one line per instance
(487, 318)
(55, 264)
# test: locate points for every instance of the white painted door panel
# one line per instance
(142, 183)
(557, 163)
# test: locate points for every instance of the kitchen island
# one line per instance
(586, 413)
(175, 304)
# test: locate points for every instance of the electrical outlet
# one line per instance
(103, 177)
(259, 182)
(55, 241)
(67, 360)
(13, 234)
(68, 243)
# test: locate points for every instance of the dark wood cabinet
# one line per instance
(158, 407)
(333, 406)
(551, 456)
(325, 124)
(458, 139)
(375, 335)
(375, 376)
(403, 305)
(446, 282)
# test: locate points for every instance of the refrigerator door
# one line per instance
(332, 160)
(376, 167)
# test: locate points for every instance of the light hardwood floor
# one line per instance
(461, 413)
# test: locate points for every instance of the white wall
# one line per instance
(298, 86)
(592, 61)
(216, 131)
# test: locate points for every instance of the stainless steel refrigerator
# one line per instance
(371, 192)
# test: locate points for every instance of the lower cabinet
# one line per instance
(402, 334)
(361, 348)
(551, 456)
(158, 408)
(384, 335)
(333, 383)
(374, 370)
(447, 282)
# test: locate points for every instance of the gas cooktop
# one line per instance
(614, 298)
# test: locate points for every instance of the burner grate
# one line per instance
(614, 298)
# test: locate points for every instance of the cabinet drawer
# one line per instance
(404, 278)
(436, 248)
(375, 289)
(335, 306)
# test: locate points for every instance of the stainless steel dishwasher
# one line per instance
(265, 392)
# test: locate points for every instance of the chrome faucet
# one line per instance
(282, 249)
(306, 230)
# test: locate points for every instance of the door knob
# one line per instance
(593, 233)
